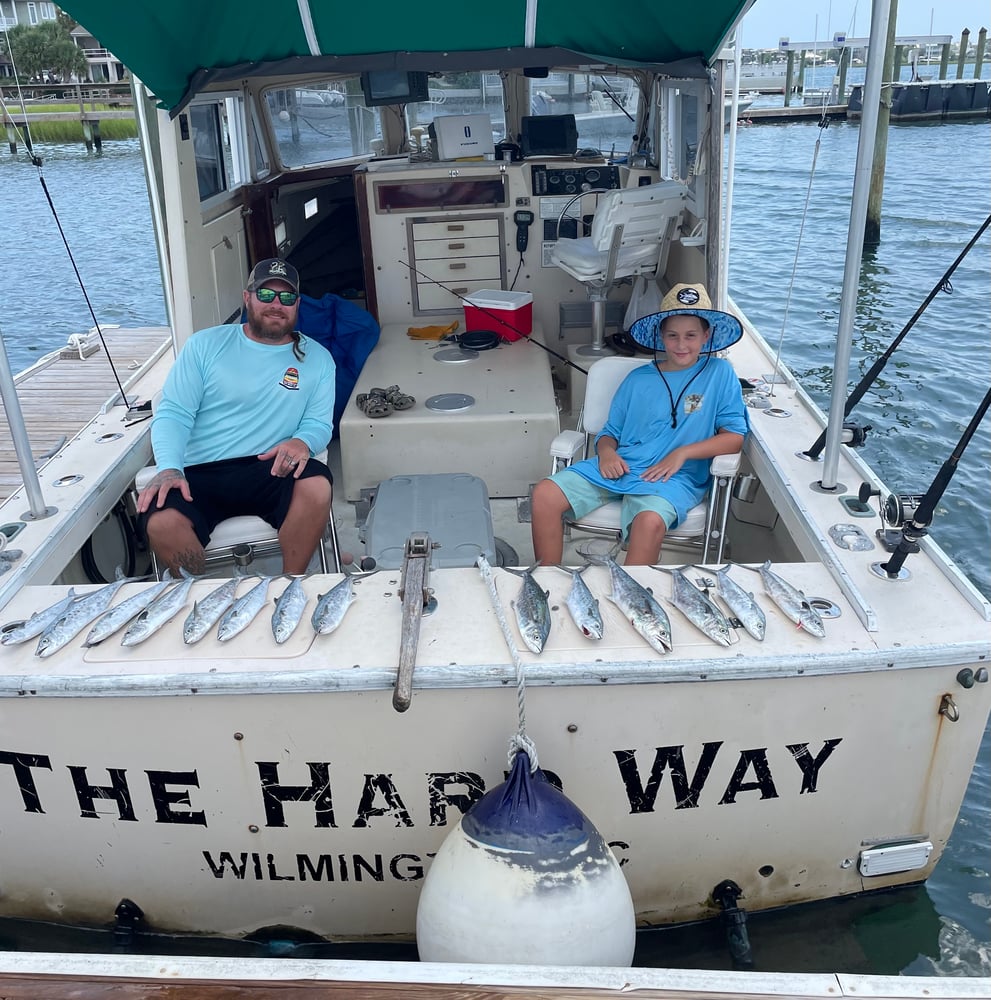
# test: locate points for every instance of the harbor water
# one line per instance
(935, 198)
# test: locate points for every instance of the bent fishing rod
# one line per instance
(492, 316)
(943, 285)
(922, 518)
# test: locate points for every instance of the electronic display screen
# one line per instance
(386, 86)
(548, 135)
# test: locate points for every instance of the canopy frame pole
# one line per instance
(855, 240)
(22, 445)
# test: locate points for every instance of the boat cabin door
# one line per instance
(203, 167)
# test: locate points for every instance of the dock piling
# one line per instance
(962, 54)
(982, 37)
(12, 139)
(872, 224)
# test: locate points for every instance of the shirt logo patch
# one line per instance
(291, 379)
(693, 403)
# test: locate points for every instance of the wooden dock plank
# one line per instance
(60, 398)
(16, 987)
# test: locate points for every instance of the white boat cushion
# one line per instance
(607, 518)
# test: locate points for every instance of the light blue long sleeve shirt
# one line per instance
(228, 396)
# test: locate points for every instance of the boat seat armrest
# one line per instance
(567, 445)
(725, 465)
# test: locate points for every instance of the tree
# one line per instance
(44, 47)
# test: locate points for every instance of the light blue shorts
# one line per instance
(585, 496)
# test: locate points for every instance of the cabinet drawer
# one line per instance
(461, 269)
(434, 297)
(472, 246)
(454, 228)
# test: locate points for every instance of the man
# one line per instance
(243, 410)
(665, 422)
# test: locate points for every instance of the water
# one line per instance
(935, 198)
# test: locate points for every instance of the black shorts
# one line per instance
(233, 488)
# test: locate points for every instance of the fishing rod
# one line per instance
(943, 285)
(914, 528)
(492, 316)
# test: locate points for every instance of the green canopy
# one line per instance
(177, 47)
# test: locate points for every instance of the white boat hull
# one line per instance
(239, 797)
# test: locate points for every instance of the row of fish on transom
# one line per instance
(147, 612)
(639, 606)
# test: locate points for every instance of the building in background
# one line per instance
(103, 66)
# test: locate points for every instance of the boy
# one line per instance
(666, 421)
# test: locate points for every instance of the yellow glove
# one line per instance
(431, 332)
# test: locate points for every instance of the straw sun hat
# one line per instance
(688, 300)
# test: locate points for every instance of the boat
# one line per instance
(256, 788)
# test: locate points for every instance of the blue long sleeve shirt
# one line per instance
(228, 396)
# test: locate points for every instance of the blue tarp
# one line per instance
(347, 331)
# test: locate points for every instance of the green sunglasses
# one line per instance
(267, 295)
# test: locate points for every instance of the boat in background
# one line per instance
(254, 787)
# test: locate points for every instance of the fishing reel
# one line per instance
(898, 512)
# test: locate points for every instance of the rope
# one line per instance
(519, 742)
(798, 247)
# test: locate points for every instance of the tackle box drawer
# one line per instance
(460, 229)
(471, 246)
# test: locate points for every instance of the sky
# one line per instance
(770, 20)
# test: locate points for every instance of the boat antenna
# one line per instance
(943, 285)
(492, 316)
(915, 529)
(612, 98)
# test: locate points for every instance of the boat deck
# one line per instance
(60, 394)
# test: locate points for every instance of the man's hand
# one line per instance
(289, 458)
(665, 468)
(158, 488)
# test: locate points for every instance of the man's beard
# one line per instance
(272, 326)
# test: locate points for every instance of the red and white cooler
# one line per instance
(508, 314)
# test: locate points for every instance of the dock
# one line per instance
(62, 392)
(71, 100)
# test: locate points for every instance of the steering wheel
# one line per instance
(571, 201)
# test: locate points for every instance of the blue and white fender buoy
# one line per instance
(525, 878)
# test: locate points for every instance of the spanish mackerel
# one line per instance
(582, 605)
(288, 610)
(698, 608)
(38, 622)
(120, 614)
(791, 601)
(207, 612)
(243, 611)
(332, 606)
(77, 616)
(641, 610)
(160, 612)
(533, 614)
(746, 610)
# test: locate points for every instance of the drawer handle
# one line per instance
(455, 229)
(459, 266)
(460, 291)
(455, 246)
